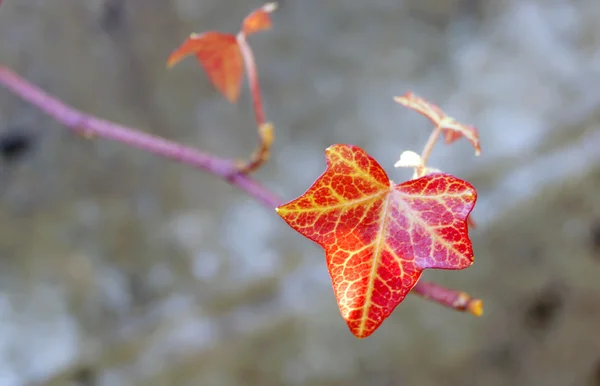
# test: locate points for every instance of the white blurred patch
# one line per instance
(246, 229)
(205, 264)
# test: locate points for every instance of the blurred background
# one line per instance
(119, 268)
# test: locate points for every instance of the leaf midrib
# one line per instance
(378, 244)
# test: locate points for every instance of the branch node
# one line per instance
(465, 302)
(266, 134)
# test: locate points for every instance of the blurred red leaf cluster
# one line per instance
(219, 53)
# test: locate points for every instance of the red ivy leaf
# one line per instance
(452, 129)
(220, 56)
(378, 237)
(258, 20)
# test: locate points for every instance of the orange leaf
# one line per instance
(378, 237)
(452, 129)
(258, 20)
(219, 55)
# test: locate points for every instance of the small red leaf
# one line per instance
(220, 56)
(378, 237)
(258, 20)
(452, 129)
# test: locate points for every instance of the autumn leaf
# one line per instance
(378, 237)
(258, 20)
(220, 56)
(452, 129)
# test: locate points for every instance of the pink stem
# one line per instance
(89, 125)
(433, 137)
(460, 301)
(86, 124)
(252, 73)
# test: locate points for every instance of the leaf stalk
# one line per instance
(265, 129)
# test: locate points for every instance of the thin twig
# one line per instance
(89, 125)
(433, 137)
(265, 129)
(252, 73)
(85, 124)
(460, 301)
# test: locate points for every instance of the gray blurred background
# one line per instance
(119, 268)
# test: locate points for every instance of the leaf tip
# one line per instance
(360, 336)
(258, 20)
(332, 150)
(231, 96)
(171, 62)
(177, 55)
(173, 59)
(399, 99)
(404, 99)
